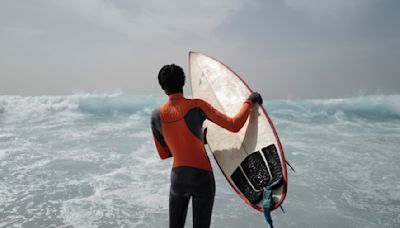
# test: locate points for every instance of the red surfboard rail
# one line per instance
(285, 176)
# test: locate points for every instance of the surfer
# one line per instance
(177, 132)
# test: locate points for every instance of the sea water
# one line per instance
(88, 160)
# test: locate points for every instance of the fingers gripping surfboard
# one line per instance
(251, 159)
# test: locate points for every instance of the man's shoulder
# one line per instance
(155, 114)
(197, 101)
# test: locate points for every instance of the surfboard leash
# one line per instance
(267, 205)
(291, 167)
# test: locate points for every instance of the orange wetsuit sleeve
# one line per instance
(163, 151)
(161, 146)
(233, 124)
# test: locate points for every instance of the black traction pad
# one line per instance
(256, 171)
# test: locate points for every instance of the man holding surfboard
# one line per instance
(177, 132)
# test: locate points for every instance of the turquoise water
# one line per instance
(89, 161)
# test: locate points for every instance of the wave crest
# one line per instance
(114, 105)
(42, 108)
(377, 108)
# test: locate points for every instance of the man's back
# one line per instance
(180, 121)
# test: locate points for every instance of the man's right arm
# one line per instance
(161, 146)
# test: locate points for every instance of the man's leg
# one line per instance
(179, 197)
(202, 210)
(203, 202)
(178, 205)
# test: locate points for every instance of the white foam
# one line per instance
(60, 165)
(3, 154)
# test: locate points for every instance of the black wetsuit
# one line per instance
(186, 183)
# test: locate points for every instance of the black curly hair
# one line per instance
(171, 78)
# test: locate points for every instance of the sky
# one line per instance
(281, 48)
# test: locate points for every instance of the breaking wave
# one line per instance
(89, 161)
(368, 107)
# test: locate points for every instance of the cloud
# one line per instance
(330, 10)
(22, 33)
(98, 12)
(153, 17)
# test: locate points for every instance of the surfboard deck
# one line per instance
(252, 158)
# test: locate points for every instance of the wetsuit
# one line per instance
(177, 133)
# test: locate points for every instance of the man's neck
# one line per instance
(168, 92)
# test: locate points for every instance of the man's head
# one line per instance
(171, 79)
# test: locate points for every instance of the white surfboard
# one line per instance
(251, 159)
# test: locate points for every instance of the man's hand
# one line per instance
(255, 97)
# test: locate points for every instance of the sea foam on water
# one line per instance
(88, 160)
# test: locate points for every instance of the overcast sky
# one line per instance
(282, 48)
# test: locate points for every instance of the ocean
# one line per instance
(88, 160)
